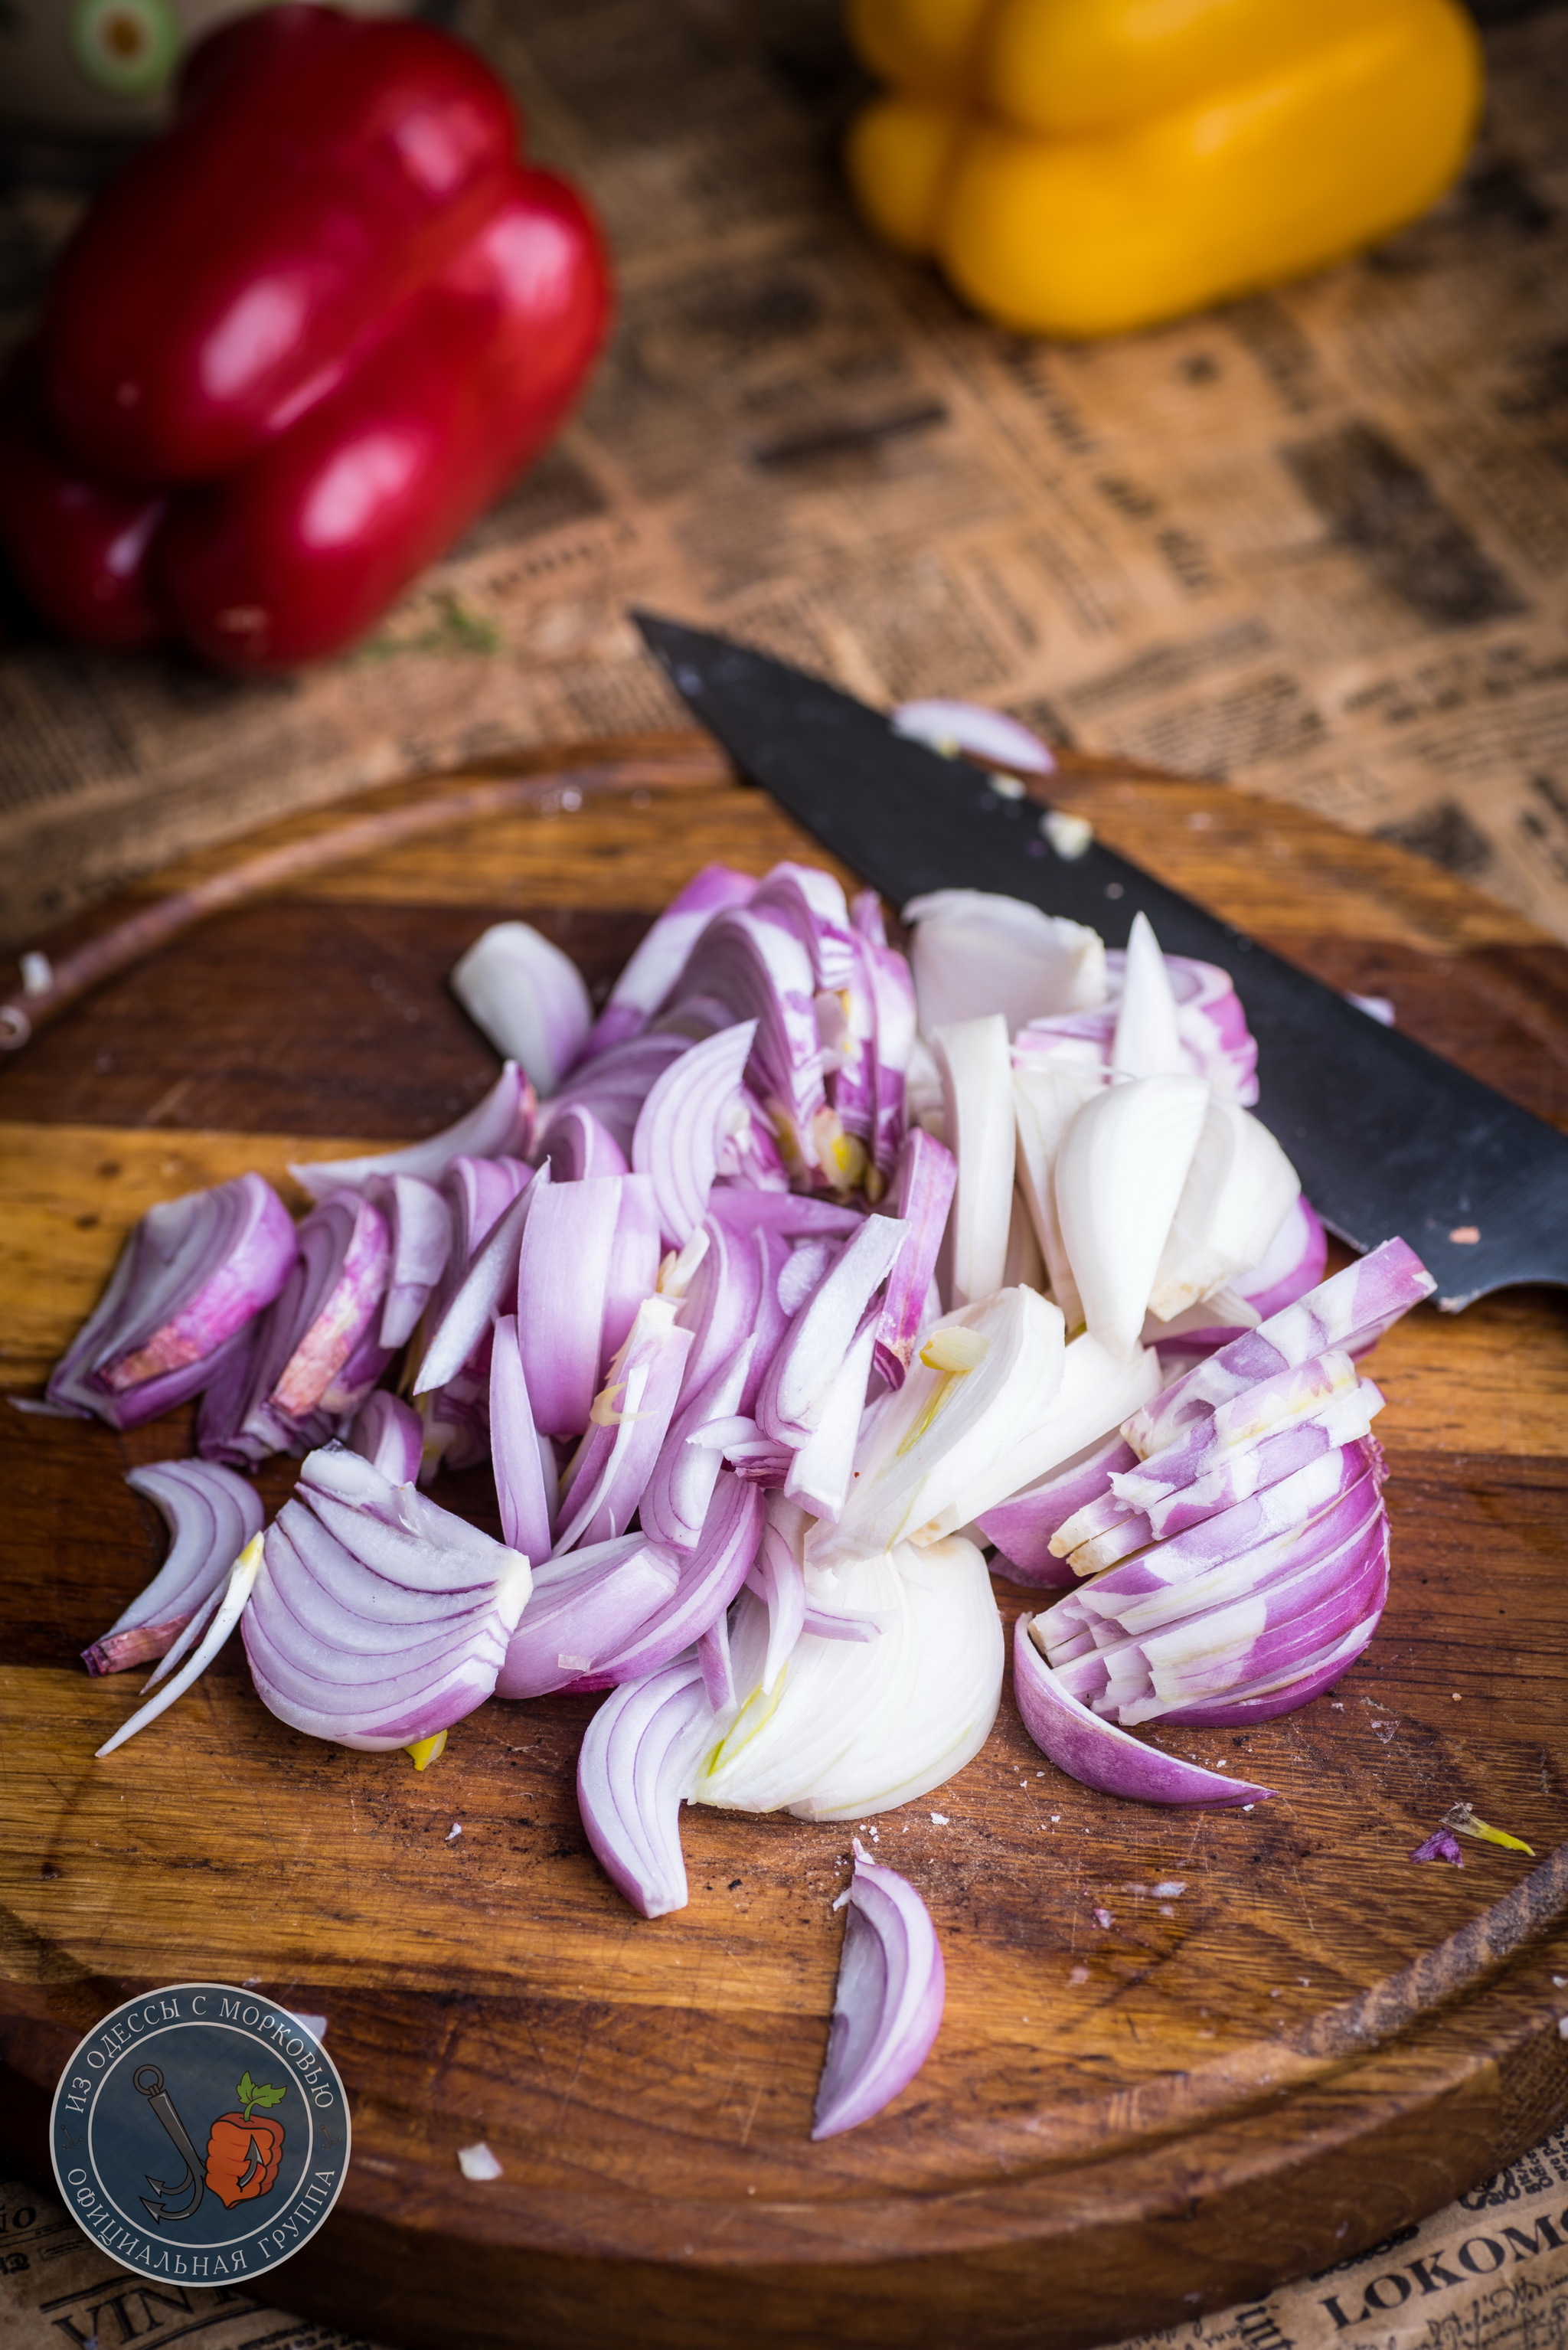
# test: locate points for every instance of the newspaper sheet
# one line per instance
(1315, 542)
(1490, 2272)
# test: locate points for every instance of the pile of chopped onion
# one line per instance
(772, 1295)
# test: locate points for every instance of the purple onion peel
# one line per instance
(1098, 1754)
(886, 2003)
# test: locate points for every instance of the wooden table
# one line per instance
(1310, 2045)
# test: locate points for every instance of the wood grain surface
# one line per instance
(1313, 2044)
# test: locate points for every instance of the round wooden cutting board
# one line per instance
(1144, 2101)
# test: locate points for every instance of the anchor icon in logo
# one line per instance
(192, 2185)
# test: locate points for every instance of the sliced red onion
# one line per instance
(1215, 1041)
(718, 1674)
(1021, 1527)
(452, 1382)
(1097, 1391)
(211, 1516)
(1339, 1420)
(578, 1144)
(191, 1279)
(795, 1392)
(778, 1579)
(633, 1769)
(927, 1174)
(887, 2004)
(1264, 1704)
(226, 1609)
(380, 1619)
(616, 1084)
(1291, 1265)
(585, 1606)
(421, 1222)
(951, 727)
(893, 1042)
(657, 963)
(1234, 1426)
(389, 1435)
(787, 1213)
(1348, 1311)
(719, 1307)
(523, 1486)
(822, 1471)
(761, 971)
(527, 997)
(690, 1112)
(810, 902)
(1045, 1100)
(1274, 1520)
(313, 1355)
(977, 1092)
(974, 954)
(711, 1575)
(1098, 1754)
(567, 1262)
(675, 1499)
(500, 1125)
(634, 1265)
(1120, 1170)
(630, 1419)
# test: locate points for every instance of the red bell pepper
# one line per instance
(318, 167)
(77, 547)
(466, 381)
(346, 317)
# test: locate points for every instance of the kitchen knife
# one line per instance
(1386, 1137)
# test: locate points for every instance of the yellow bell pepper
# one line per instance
(1081, 167)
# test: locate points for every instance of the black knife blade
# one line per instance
(1386, 1136)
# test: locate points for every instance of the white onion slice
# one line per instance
(1147, 1042)
(886, 2003)
(527, 997)
(1240, 1189)
(1121, 1170)
(977, 1095)
(974, 954)
(949, 726)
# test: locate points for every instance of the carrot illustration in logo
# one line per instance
(243, 2153)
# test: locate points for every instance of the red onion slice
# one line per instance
(579, 1144)
(226, 1613)
(500, 1124)
(389, 1435)
(683, 1125)
(460, 1337)
(631, 1416)
(1347, 1311)
(313, 1357)
(421, 1224)
(1021, 1527)
(760, 971)
(1292, 1264)
(635, 1766)
(582, 1607)
(211, 1516)
(676, 1498)
(887, 2004)
(523, 1487)
(711, 1575)
(615, 1086)
(657, 963)
(950, 727)
(1098, 1754)
(796, 1390)
(927, 1174)
(380, 1618)
(190, 1281)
